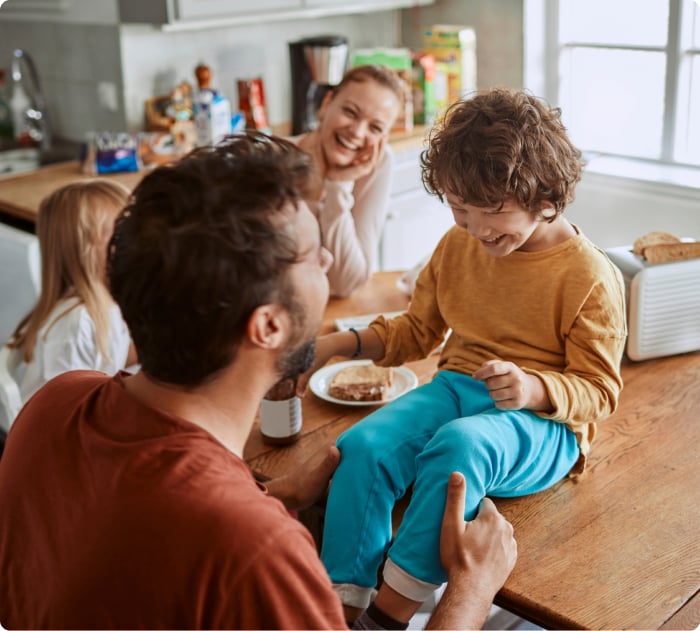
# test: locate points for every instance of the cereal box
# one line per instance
(455, 47)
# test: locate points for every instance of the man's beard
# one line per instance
(296, 361)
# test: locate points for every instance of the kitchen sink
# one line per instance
(15, 161)
(22, 159)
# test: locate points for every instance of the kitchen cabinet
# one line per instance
(192, 14)
(416, 220)
(66, 11)
(197, 9)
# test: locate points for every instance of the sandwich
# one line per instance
(362, 382)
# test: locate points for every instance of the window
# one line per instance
(626, 74)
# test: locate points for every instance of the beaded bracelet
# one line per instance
(358, 350)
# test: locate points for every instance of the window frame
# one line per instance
(542, 56)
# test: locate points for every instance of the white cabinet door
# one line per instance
(197, 9)
(366, 5)
(415, 224)
(416, 221)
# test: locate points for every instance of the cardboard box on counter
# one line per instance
(454, 49)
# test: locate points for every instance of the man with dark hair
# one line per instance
(125, 500)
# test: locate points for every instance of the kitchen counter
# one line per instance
(20, 195)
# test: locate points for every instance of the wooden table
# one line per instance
(21, 194)
(616, 549)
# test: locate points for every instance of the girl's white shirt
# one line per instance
(71, 344)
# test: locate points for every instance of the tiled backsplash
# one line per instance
(71, 59)
(155, 61)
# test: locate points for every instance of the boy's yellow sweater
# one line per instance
(558, 314)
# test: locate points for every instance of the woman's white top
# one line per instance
(71, 344)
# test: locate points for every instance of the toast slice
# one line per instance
(364, 382)
(667, 252)
(653, 238)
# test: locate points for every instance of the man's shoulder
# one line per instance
(67, 386)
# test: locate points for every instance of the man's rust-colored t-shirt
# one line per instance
(114, 515)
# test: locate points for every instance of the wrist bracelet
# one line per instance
(358, 350)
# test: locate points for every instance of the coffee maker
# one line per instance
(317, 64)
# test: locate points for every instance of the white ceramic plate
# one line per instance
(404, 380)
(362, 321)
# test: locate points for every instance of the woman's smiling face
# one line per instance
(359, 115)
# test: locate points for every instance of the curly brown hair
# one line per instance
(503, 145)
(203, 243)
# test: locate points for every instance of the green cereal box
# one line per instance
(399, 60)
(455, 47)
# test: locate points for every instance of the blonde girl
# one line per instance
(75, 323)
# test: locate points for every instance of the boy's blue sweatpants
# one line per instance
(449, 424)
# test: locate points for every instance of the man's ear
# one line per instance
(268, 326)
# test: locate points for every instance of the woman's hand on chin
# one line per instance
(364, 163)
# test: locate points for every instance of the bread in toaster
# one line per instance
(667, 252)
(663, 247)
(653, 238)
(363, 382)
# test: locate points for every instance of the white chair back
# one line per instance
(20, 277)
(10, 400)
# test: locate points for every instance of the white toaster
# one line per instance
(663, 304)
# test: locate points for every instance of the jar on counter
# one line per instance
(280, 414)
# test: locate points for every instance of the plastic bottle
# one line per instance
(212, 111)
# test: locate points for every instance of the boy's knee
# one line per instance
(359, 439)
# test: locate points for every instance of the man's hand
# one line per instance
(478, 557)
(304, 486)
(484, 546)
(511, 388)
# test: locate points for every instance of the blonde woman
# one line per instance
(354, 165)
(75, 324)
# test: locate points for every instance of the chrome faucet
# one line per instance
(34, 116)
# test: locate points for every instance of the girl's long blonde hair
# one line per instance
(74, 225)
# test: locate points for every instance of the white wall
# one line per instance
(615, 211)
(154, 61)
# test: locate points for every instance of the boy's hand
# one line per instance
(511, 388)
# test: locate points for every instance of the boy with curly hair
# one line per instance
(532, 364)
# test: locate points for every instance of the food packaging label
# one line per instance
(455, 47)
(112, 152)
(423, 88)
(212, 117)
(251, 101)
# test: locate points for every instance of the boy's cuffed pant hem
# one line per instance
(354, 595)
(408, 586)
